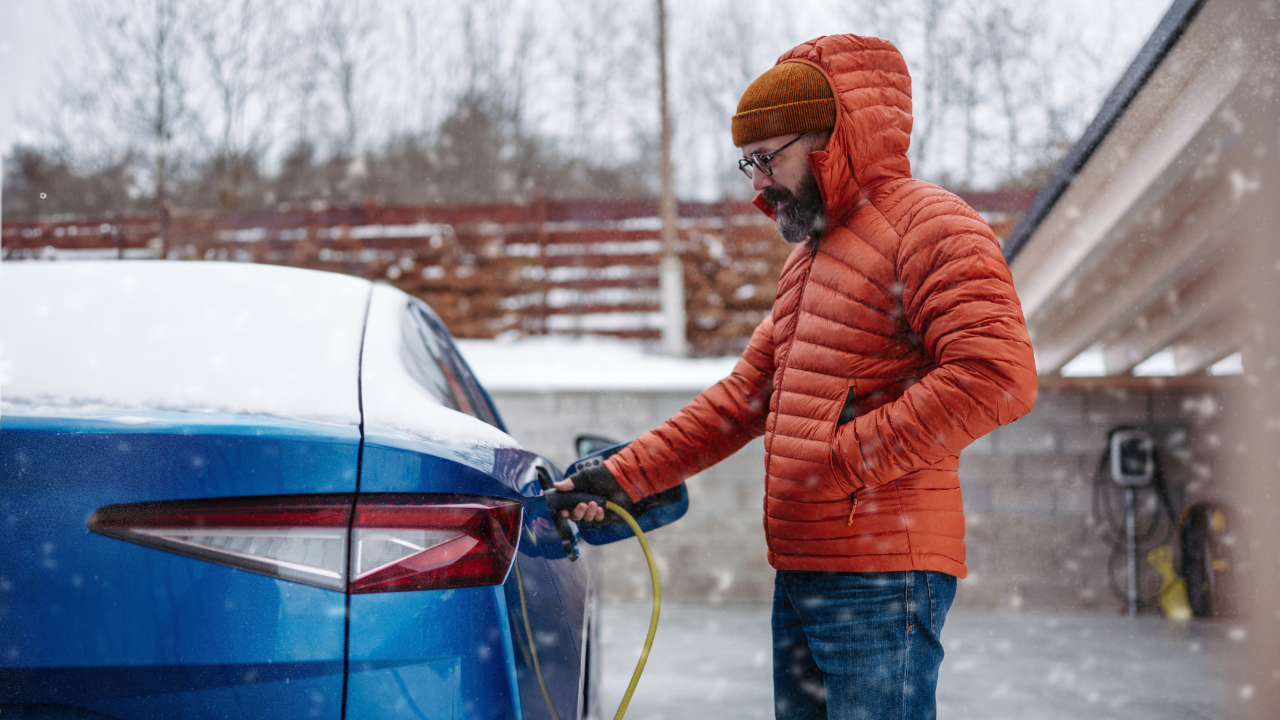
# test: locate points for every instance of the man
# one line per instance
(896, 339)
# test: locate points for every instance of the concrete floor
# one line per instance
(716, 662)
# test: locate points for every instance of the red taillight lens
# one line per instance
(402, 542)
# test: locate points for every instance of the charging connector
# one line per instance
(558, 501)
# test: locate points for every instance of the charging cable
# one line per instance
(557, 501)
(533, 647)
(657, 605)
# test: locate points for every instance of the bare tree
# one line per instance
(244, 53)
(936, 73)
(130, 95)
(203, 100)
(964, 92)
(980, 71)
(39, 182)
(1008, 33)
(594, 54)
(499, 39)
(424, 34)
(346, 35)
(723, 50)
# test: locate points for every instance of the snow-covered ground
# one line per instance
(561, 363)
(716, 661)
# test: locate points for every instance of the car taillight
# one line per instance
(401, 541)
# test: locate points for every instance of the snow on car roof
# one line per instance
(93, 338)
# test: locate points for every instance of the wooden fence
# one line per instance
(552, 266)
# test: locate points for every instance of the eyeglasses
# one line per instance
(761, 162)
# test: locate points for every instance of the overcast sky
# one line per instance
(26, 29)
(35, 43)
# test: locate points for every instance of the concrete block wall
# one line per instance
(1032, 542)
(1032, 537)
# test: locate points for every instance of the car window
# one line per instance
(434, 362)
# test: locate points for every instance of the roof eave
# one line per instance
(1162, 40)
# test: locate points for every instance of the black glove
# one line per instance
(593, 477)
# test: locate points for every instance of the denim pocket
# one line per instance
(942, 592)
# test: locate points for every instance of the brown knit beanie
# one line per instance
(790, 97)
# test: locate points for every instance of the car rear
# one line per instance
(134, 385)
(243, 491)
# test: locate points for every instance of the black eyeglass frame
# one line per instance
(761, 162)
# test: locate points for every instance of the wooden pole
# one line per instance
(671, 276)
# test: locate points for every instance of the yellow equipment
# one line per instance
(1173, 589)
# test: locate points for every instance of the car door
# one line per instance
(549, 654)
(487, 651)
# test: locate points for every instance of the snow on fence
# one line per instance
(548, 267)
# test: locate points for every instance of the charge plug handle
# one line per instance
(557, 501)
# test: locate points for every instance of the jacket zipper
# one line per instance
(804, 285)
(795, 323)
(853, 497)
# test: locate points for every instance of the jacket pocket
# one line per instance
(846, 412)
(838, 470)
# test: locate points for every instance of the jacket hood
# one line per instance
(869, 143)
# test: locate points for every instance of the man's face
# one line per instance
(791, 188)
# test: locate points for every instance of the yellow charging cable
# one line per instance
(648, 641)
(533, 647)
(657, 605)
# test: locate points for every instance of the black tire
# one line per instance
(1206, 560)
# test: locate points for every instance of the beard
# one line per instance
(800, 218)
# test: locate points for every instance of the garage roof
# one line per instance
(1123, 255)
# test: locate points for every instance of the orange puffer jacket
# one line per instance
(904, 310)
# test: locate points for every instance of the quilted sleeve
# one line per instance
(958, 298)
(710, 428)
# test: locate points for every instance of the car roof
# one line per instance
(93, 338)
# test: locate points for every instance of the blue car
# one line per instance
(238, 491)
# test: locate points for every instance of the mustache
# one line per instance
(801, 217)
(777, 195)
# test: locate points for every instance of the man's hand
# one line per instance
(589, 512)
(593, 477)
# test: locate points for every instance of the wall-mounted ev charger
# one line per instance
(1133, 457)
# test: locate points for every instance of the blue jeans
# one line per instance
(858, 645)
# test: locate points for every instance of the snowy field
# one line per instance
(1000, 665)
